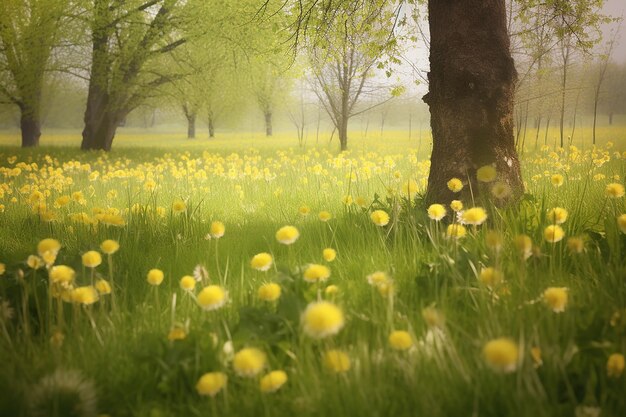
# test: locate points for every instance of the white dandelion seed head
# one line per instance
(65, 393)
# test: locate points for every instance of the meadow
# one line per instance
(246, 276)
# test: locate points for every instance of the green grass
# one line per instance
(255, 186)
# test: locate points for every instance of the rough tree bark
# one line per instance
(268, 123)
(343, 133)
(100, 126)
(30, 126)
(190, 114)
(100, 120)
(191, 126)
(471, 87)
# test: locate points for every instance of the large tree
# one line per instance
(471, 79)
(29, 32)
(471, 85)
(128, 40)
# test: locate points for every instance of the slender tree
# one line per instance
(602, 70)
(343, 61)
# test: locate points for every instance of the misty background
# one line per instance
(596, 80)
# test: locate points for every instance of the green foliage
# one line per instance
(137, 370)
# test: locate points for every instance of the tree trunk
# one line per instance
(30, 126)
(101, 121)
(610, 118)
(191, 125)
(268, 123)
(545, 138)
(471, 87)
(211, 127)
(538, 129)
(343, 133)
(100, 128)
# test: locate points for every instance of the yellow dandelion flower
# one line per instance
(557, 215)
(176, 333)
(287, 235)
(501, 354)
(178, 206)
(48, 245)
(211, 383)
(436, 212)
(212, 297)
(494, 240)
(269, 292)
(273, 381)
(456, 205)
(378, 278)
(491, 277)
(155, 277)
(576, 244)
(556, 298)
(386, 289)
(455, 185)
(49, 258)
(61, 274)
(400, 340)
(621, 223)
(249, 362)
(614, 190)
(217, 229)
(553, 233)
(557, 180)
(92, 259)
(380, 217)
(188, 283)
(486, 173)
(304, 210)
(329, 254)
(325, 216)
(456, 231)
(336, 361)
(261, 261)
(361, 202)
(433, 317)
(316, 273)
(474, 216)
(84, 295)
(331, 290)
(322, 319)
(109, 247)
(34, 262)
(62, 201)
(501, 190)
(615, 365)
(103, 287)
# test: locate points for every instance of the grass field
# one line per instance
(404, 319)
